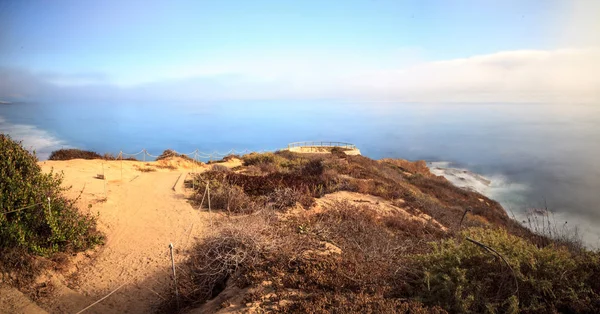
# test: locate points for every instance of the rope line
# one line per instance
(26, 207)
(108, 295)
(133, 154)
(197, 154)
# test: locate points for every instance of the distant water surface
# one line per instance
(531, 152)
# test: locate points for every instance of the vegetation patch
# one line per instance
(350, 257)
(463, 277)
(144, 168)
(168, 153)
(72, 153)
(342, 258)
(35, 219)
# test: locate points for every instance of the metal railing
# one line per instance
(322, 144)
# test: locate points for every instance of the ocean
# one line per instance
(532, 155)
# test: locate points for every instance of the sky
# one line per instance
(372, 50)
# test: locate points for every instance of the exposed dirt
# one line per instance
(141, 213)
(14, 302)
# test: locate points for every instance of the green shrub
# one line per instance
(463, 277)
(276, 162)
(72, 153)
(28, 221)
(256, 158)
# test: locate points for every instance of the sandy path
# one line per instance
(141, 216)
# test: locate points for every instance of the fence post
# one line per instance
(104, 179)
(121, 157)
(144, 155)
(209, 213)
(174, 275)
(195, 165)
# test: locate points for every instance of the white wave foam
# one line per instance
(512, 197)
(495, 186)
(33, 138)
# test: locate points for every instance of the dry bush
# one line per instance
(166, 166)
(168, 153)
(253, 170)
(450, 195)
(545, 230)
(267, 167)
(330, 302)
(144, 169)
(413, 167)
(412, 227)
(338, 152)
(224, 196)
(219, 168)
(283, 198)
(291, 254)
(371, 268)
(231, 157)
(226, 253)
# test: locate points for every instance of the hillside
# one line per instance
(289, 232)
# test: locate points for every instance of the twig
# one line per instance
(209, 213)
(491, 250)
(463, 217)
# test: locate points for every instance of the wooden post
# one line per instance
(209, 213)
(104, 178)
(121, 157)
(174, 275)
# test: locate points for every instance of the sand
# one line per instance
(141, 213)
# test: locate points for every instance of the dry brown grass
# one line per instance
(144, 169)
(340, 257)
(296, 255)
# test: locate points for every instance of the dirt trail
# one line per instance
(141, 215)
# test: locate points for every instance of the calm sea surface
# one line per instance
(531, 152)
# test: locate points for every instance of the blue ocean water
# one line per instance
(533, 153)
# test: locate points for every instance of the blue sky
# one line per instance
(300, 48)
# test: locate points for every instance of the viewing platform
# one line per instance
(322, 147)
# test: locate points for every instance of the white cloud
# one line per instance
(509, 76)
(563, 75)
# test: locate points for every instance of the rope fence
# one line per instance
(200, 155)
(196, 154)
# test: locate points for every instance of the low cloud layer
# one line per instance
(565, 75)
(511, 76)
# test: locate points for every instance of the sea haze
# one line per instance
(532, 153)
